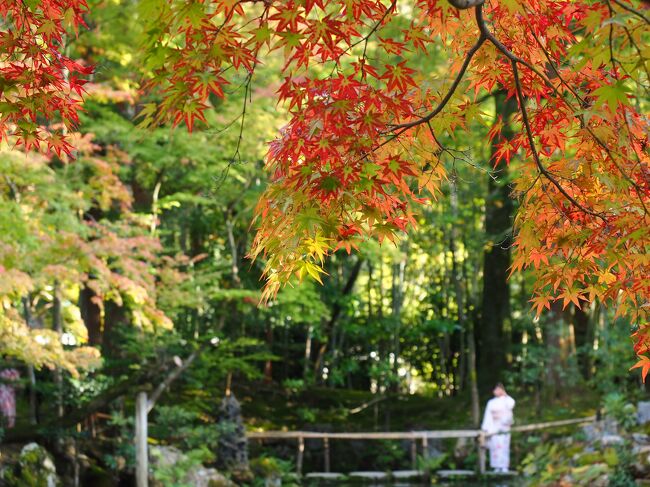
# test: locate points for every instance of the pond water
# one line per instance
(514, 482)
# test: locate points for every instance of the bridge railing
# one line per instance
(415, 437)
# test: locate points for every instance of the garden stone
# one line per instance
(641, 439)
(607, 440)
(462, 449)
(198, 476)
(599, 430)
(273, 481)
(643, 412)
(34, 468)
(232, 454)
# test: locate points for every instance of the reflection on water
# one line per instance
(516, 482)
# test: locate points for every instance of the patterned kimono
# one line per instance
(8, 396)
(497, 419)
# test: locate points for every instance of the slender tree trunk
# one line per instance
(582, 332)
(495, 309)
(337, 309)
(115, 317)
(397, 302)
(308, 338)
(460, 304)
(33, 406)
(154, 204)
(233, 251)
(57, 321)
(555, 349)
(268, 366)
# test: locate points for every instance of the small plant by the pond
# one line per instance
(431, 464)
(269, 470)
(618, 407)
(175, 473)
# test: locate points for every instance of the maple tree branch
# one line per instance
(450, 92)
(374, 28)
(465, 4)
(175, 374)
(367, 37)
(514, 60)
(463, 155)
(533, 149)
(638, 51)
(626, 176)
(483, 28)
(632, 10)
(556, 71)
(583, 103)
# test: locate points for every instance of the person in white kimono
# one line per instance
(496, 424)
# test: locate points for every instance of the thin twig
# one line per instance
(531, 141)
(450, 92)
(632, 10)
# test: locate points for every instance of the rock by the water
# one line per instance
(273, 481)
(599, 430)
(34, 468)
(462, 449)
(643, 412)
(641, 439)
(607, 440)
(197, 476)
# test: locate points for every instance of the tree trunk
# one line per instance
(91, 314)
(308, 338)
(337, 309)
(498, 228)
(115, 317)
(553, 338)
(57, 322)
(582, 333)
(460, 304)
(397, 301)
(33, 404)
(268, 365)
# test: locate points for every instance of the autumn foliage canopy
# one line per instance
(362, 148)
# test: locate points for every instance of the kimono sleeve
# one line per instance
(488, 422)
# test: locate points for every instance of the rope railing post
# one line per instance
(141, 451)
(301, 452)
(480, 444)
(326, 453)
(425, 455)
(414, 454)
(480, 437)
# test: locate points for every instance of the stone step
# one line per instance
(324, 476)
(454, 474)
(407, 474)
(368, 475)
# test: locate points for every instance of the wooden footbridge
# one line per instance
(418, 440)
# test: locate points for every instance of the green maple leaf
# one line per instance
(612, 95)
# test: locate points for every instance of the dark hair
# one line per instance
(500, 385)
